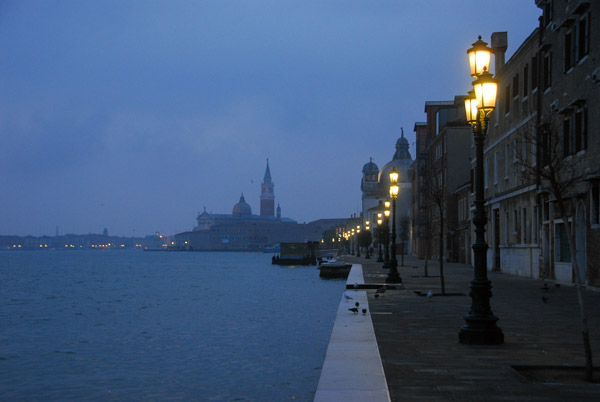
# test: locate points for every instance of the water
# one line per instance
(132, 325)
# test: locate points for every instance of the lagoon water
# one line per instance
(132, 325)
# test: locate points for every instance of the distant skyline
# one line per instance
(135, 115)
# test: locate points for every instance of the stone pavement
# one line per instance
(423, 360)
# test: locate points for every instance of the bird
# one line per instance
(557, 285)
(364, 310)
(545, 287)
(357, 304)
(429, 294)
(355, 285)
(354, 310)
(346, 297)
(376, 295)
(381, 290)
(544, 299)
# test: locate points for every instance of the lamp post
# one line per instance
(480, 327)
(379, 235)
(352, 241)
(357, 241)
(386, 233)
(394, 276)
(367, 228)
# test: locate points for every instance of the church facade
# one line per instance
(375, 184)
(244, 231)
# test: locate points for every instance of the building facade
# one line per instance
(440, 172)
(244, 231)
(375, 186)
(541, 172)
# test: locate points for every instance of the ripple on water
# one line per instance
(183, 326)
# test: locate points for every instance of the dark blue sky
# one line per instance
(134, 115)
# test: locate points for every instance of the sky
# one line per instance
(136, 115)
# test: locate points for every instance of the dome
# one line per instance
(242, 208)
(370, 168)
(401, 162)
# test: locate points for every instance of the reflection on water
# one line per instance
(132, 325)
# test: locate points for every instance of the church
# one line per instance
(244, 231)
(375, 186)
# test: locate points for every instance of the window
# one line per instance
(524, 156)
(506, 227)
(534, 148)
(524, 226)
(534, 73)
(595, 204)
(495, 167)
(561, 243)
(547, 71)
(515, 86)
(569, 48)
(507, 99)
(575, 131)
(516, 226)
(506, 161)
(534, 225)
(525, 80)
(583, 37)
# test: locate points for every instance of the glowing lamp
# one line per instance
(479, 57)
(471, 108)
(486, 89)
(394, 190)
(393, 176)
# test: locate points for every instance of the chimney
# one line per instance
(499, 45)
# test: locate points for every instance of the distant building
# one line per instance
(375, 185)
(244, 231)
(439, 176)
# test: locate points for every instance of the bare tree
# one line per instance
(437, 194)
(542, 153)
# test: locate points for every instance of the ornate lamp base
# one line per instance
(481, 331)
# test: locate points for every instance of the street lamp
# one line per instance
(480, 327)
(367, 228)
(394, 276)
(386, 212)
(379, 235)
(357, 241)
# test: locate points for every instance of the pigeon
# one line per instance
(355, 285)
(544, 299)
(545, 287)
(357, 304)
(429, 294)
(354, 310)
(364, 310)
(346, 297)
(376, 295)
(381, 290)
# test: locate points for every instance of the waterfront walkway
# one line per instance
(422, 359)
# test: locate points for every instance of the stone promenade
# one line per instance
(423, 360)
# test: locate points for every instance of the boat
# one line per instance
(296, 254)
(333, 270)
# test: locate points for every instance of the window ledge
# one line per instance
(583, 59)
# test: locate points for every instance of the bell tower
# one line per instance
(267, 194)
